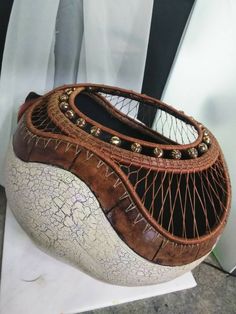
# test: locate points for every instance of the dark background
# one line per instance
(5, 11)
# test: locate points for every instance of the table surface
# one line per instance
(35, 283)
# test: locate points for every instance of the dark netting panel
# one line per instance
(165, 123)
(41, 120)
(187, 205)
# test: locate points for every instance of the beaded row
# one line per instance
(135, 147)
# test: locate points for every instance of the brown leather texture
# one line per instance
(45, 134)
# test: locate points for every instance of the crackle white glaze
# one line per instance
(63, 217)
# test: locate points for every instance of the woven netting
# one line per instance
(188, 204)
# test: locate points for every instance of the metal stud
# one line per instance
(205, 132)
(70, 114)
(202, 148)
(192, 152)
(115, 140)
(158, 152)
(95, 131)
(63, 97)
(64, 106)
(136, 147)
(68, 91)
(80, 122)
(206, 139)
(176, 154)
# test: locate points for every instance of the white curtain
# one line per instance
(50, 43)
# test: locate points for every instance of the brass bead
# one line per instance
(176, 154)
(63, 97)
(80, 122)
(95, 131)
(64, 106)
(136, 147)
(192, 152)
(206, 139)
(202, 148)
(158, 152)
(68, 91)
(205, 132)
(115, 140)
(70, 114)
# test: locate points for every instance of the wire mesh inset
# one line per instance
(164, 123)
(41, 120)
(188, 205)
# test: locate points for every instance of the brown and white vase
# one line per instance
(94, 186)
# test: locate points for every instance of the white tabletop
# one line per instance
(35, 283)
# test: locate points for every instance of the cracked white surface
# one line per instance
(63, 217)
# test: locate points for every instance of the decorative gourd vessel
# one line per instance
(93, 185)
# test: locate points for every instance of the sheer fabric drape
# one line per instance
(50, 43)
